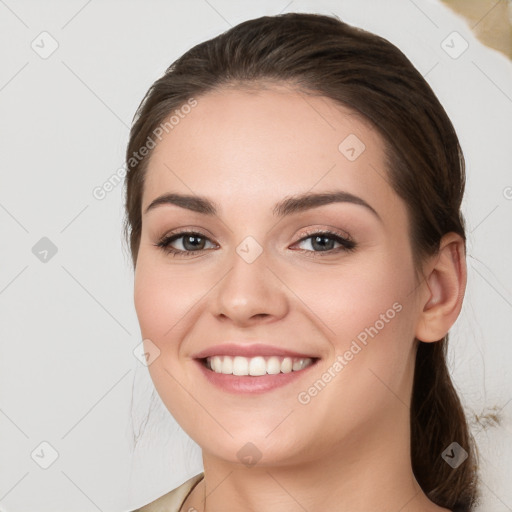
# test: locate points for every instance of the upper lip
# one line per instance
(253, 350)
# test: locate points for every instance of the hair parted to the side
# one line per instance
(321, 55)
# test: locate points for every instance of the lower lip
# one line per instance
(248, 384)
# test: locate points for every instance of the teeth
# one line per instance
(227, 365)
(256, 366)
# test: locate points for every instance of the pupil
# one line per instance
(322, 246)
(188, 240)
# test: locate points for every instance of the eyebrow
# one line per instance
(287, 206)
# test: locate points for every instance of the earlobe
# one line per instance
(444, 289)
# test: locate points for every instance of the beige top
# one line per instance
(173, 500)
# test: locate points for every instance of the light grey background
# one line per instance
(68, 325)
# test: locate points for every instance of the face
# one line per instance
(329, 280)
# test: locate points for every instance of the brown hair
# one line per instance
(323, 56)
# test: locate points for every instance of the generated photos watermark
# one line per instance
(101, 191)
(361, 341)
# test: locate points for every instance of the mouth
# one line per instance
(254, 375)
(253, 368)
(257, 366)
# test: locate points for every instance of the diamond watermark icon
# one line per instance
(249, 454)
(44, 455)
(44, 45)
(351, 147)
(454, 45)
(146, 352)
(454, 455)
(249, 249)
(44, 250)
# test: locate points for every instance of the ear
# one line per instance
(444, 290)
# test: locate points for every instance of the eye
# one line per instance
(190, 241)
(324, 241)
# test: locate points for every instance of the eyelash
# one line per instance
(346, 244)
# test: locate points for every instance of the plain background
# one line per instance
(68, 325)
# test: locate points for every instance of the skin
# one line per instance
(348, 448)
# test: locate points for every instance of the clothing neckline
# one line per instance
(194, 482)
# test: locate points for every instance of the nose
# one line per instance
(250, 293)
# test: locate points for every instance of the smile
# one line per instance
(256, 366)
(253, 375)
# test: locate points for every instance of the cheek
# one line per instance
(160, 305)
(147, 295)
(155, 300)
(167, 301)
(347, 300)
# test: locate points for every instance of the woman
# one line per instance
(293, 213)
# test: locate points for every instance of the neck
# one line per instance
(368, 470)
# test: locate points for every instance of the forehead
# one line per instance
(252, 147)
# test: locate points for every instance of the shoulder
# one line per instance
(173, 500)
